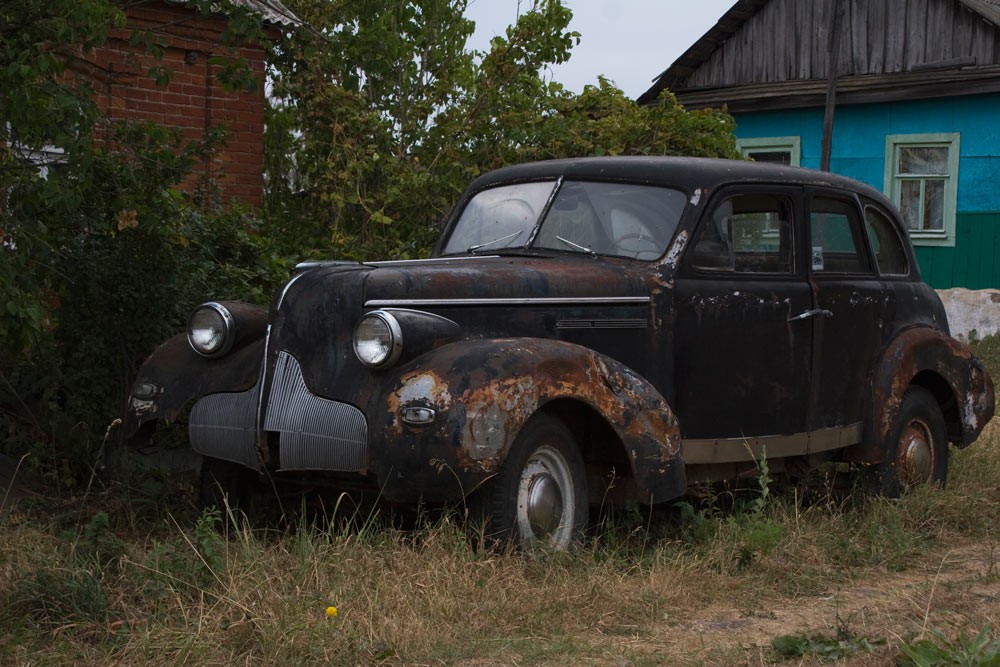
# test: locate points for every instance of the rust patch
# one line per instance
(923, 349)
(422, 388)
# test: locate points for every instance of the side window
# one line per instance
(749, 233)
(887, 247)
(836, 240)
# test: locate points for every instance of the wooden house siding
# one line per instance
(789, 40)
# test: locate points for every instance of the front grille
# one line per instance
(315, 433)
(223, 426)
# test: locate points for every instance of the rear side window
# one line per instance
(836, 239)
(887, 246)
(749, 233)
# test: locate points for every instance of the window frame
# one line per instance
(791, 145)
(892, 183)
(788, 195)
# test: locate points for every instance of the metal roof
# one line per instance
(272, 11)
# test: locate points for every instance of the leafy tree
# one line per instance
(382, 115)
(101, 255)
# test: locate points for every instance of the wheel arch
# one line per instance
(485, 391)
(928, 358)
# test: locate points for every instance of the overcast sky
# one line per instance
(628, 41)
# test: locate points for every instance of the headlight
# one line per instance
(378, 339)
(210, 329)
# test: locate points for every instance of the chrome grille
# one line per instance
(223, 426)
(316, 433)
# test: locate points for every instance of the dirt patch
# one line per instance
(959, 592)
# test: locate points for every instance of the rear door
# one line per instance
(850, 301)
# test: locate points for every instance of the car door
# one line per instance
(742, 348)
(851, 302)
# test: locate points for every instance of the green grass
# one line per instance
(98, 581)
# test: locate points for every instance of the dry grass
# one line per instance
(713, 589)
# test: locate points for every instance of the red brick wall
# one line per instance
(194, 99)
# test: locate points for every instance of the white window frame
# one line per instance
(791, 145)
(950, 140)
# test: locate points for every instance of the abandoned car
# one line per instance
(587, 332)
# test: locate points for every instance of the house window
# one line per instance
(921, 177)
(776, 150)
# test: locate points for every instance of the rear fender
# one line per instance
(483, 393)
(928, 357)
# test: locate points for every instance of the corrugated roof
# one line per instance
(272, 11)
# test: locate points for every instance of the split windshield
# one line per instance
(616, 219)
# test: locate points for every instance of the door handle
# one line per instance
(811, 313)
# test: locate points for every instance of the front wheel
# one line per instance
(539, 497)
(918, 447)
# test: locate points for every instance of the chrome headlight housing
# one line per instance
(210, 330)
(378, 339)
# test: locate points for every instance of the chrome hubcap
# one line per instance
(916, 454)
(545, 500)
(545, 505)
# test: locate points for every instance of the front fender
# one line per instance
(926, 355)
(174, 375)
(483, 392)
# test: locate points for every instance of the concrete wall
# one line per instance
(972, 313)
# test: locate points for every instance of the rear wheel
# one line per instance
(539, 497)
(918, 447)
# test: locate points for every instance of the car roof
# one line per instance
(684, 173)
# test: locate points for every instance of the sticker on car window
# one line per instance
(817, 258)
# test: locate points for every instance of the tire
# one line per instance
(538, 500)
(228, 488)
(917, 450)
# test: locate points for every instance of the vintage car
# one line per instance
(586, 332)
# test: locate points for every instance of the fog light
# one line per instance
(417, 416)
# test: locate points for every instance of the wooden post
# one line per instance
(832, 69)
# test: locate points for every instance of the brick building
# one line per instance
(194, 99)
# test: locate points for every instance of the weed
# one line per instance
(825, 648)
(978, 651)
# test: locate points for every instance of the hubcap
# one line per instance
(545, 505)
(916, 454)
(545, 500)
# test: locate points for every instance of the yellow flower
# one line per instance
(331, 611)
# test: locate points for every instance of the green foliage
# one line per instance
(53, 597)
(97, 544)
(825, 648)
(978, 651)
(382, 116)
(101, 255)
(211, 548)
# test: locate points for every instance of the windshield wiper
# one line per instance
(577, 246)
(476, 247)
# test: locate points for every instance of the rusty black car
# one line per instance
(586, 332)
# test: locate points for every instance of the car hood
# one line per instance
(502, 277)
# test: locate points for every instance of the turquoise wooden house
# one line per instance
(901, 94)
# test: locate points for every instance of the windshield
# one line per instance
(621, 220)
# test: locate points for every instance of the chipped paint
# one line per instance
(676, 250)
